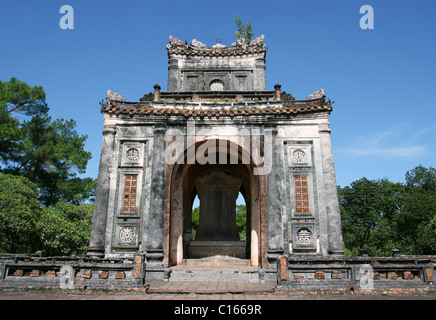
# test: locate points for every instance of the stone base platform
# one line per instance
(202, 249)
(217, 261)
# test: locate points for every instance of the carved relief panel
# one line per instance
(132, 154)
(299, 156)
(126, 235)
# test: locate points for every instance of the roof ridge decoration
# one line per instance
(203, 111)
(197, 44)
(316, 95)
(110, 95)
(196, 47)
(211, 109)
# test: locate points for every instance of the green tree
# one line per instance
(9, 135)
(51, 154)
(415, 224)
(48, 152)
(65, 228)
(244, 33)
(379, 215)
(241, 221)
(19, 211)
(367, 208)
(195, 221)
(18, 96)
(41, 159)
(421, 177)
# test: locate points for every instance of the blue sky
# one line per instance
(382, 80)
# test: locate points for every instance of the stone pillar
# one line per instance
(259, 76)
(156, 93)
(173, 75)
(278, 92)
(276, 200)
(154, 248)
(334, 226)
(99, 218)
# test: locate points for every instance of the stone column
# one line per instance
(154, 248)
(276, 201)
(259, 76)
(156, 93)
(99, 218)
(173, 75)
(334, 226)
(278, 92)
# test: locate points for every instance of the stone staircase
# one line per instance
(215, 269)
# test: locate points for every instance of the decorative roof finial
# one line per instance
(114, 96)
(316, 94)
(218, 44)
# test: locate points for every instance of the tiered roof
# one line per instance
(216, 103)
(218, 108)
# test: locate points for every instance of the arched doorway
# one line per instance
(217, 186)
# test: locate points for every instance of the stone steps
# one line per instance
(217, 261)
(217, 268)
(215, 274)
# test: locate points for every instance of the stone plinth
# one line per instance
(202, 249)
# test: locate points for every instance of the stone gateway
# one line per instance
(216, 133)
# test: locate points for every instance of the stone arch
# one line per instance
(181, 193)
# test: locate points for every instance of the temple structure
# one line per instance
(216, 132)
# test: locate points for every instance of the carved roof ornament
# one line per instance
(197, 44)
(316, 94)
(198, 48)
(258, 40)
(218, 43)
(176, 41)
(114, 96)
(236, 43)
(239, 42)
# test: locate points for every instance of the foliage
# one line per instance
(18, 96)
(241, 221)
(19, 211)
(245, 32)
(365, 207)
(379, 215)
(9, 135)
(421, 177)
(416, 229)
(48, 152)
(65, 228)
(40, 190)
(195, 221)
(26, 227)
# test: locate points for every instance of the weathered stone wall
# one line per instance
(26, 271)
(235, 73)
(403, 274)
(281, 228)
